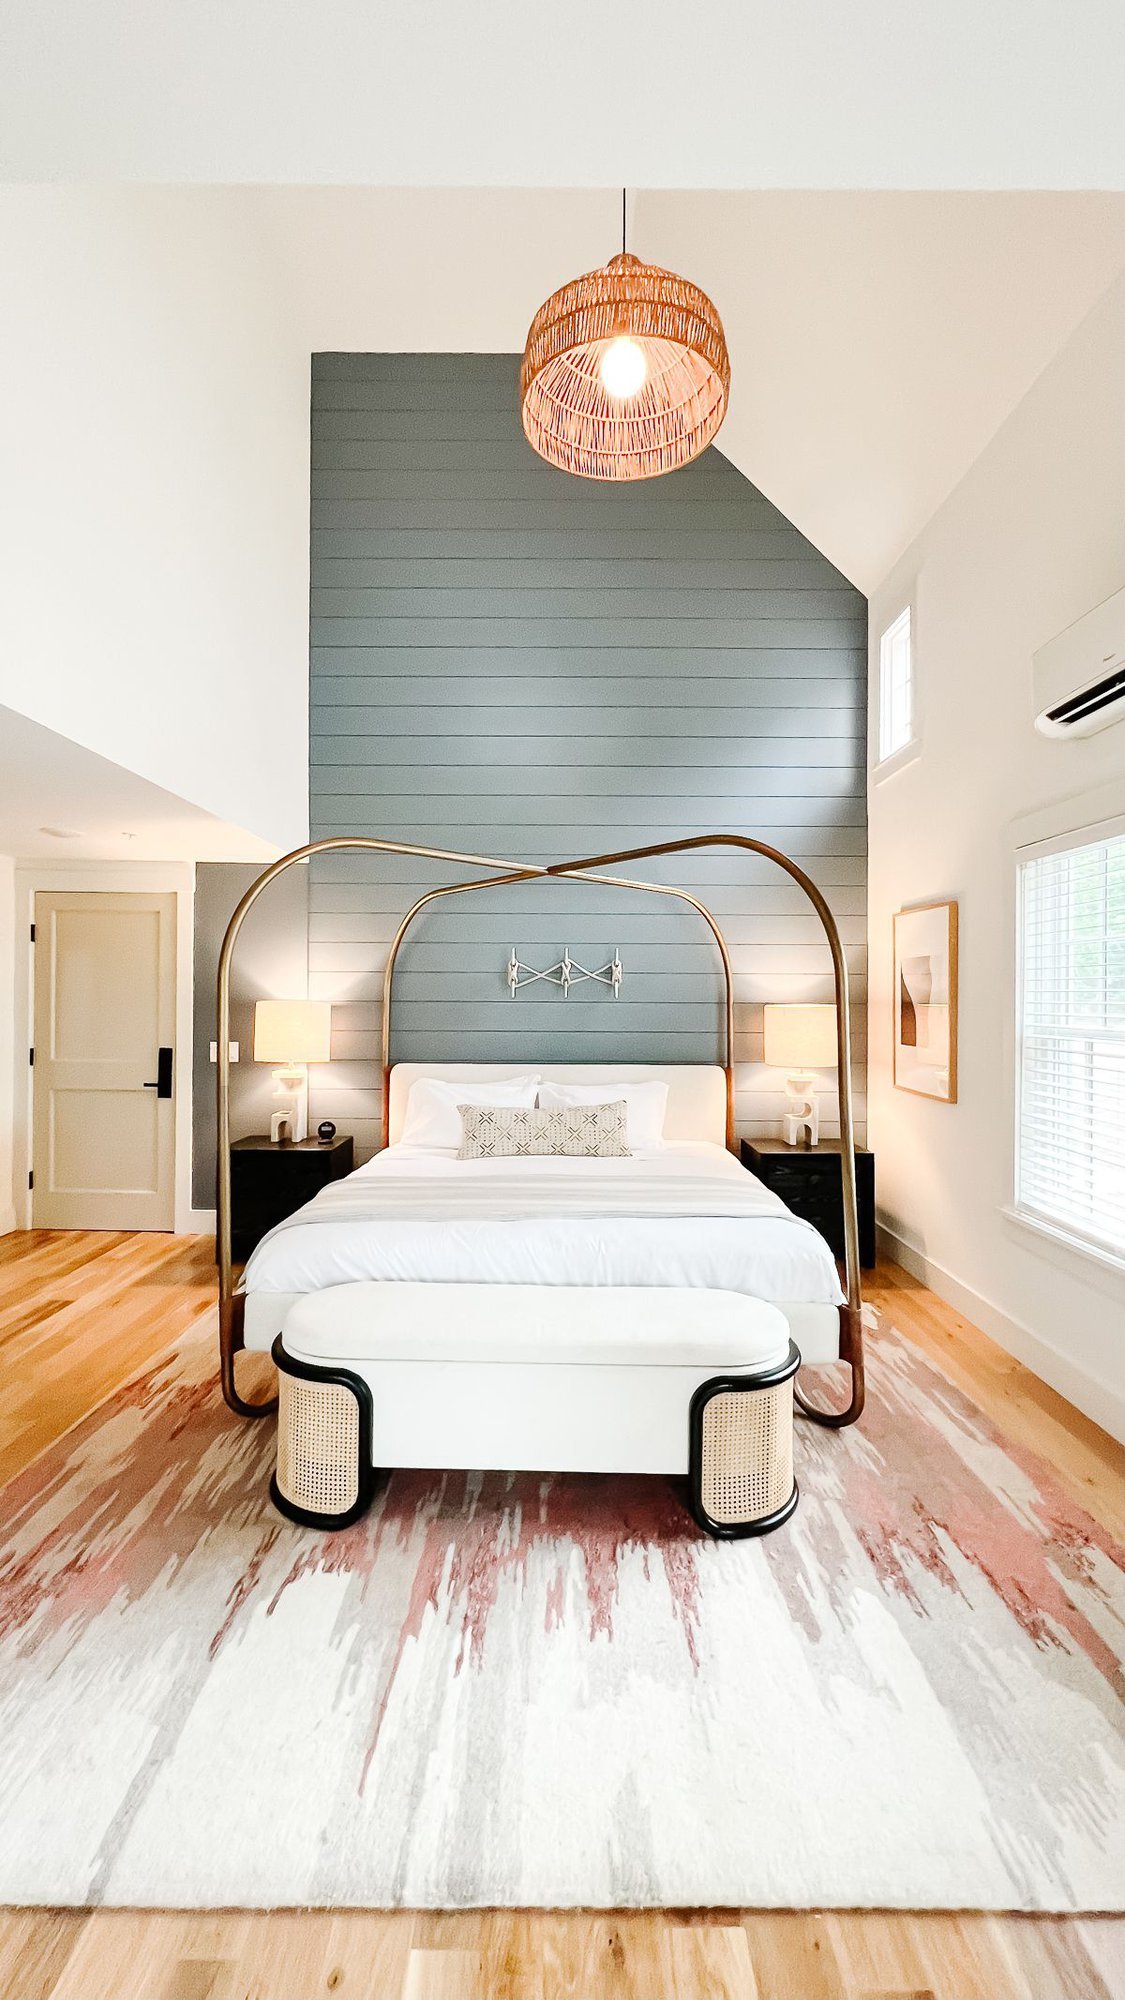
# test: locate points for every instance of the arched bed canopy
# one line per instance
(502, 874)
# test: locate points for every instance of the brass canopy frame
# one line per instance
(590, 869)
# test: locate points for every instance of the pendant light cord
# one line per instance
(624, 192)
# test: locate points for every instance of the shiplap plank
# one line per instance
(435, 505)
(527, 633)
(498, 924)
(780, 705)
(500, 656)
(362, 1044)
(830, 828)
(527, 481)
(485, 718)
(622, 823)
(359, 1048)
(573, 543)
(763, 907)
(543, 714)
(356, 1028)
(740, 664)
(760, 884)
(585, 573)
(551, 764)
(512, 602)
(419, 370)
(412, 447)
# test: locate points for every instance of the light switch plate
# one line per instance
(232, 1046)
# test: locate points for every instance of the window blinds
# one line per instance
(1071, 1055)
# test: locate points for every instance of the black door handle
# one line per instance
(163, 1082)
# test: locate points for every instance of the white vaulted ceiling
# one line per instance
(60, 801)
(879, 340)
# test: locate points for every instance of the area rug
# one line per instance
(555, 1691)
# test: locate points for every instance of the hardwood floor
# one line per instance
(81, 1312)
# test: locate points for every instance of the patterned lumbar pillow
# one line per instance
(509, 1132)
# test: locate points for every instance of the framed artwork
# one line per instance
(925, 1001)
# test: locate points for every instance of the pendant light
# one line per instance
(626, 372)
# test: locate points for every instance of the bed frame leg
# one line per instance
(851, 1351)
(231, 1343)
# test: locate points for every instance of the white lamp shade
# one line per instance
(800, 1038)
(292, 1031)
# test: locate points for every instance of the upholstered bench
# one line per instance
(539, 1379)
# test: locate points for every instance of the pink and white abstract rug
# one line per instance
(555, 1691)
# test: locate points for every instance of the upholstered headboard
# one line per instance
(697, 1092)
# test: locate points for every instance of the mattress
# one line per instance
(764, 1252)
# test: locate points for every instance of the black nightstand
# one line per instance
(268, 1182)
(808, 1180)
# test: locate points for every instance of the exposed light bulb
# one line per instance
(623, 367)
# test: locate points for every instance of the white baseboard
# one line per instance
(198, 1222)
(1103, 1406)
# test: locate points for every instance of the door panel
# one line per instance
(105, 1000)
(104, 1139)
(107, 983)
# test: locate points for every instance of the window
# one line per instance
(896, 687)
(1070, 1165)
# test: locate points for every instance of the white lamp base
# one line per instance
(801, 1123)
(289, 1114)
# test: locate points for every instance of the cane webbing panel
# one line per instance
(746, 1454)
(317, 1445)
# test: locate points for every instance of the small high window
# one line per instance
(896, 687)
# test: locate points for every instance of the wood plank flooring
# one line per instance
(79, 1312)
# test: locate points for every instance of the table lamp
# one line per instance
(291, 1034)
(800, 1040)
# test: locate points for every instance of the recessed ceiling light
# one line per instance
(62, 832)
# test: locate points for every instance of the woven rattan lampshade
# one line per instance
(570, 417)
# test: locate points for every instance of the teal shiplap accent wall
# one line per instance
(511, 661)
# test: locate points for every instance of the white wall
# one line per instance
(154, 500)
(1032, 537)
(7, 1037)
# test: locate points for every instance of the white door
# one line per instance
(103, 1153)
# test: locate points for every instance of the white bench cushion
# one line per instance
(658, 1326)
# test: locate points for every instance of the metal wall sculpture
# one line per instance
(565, 973)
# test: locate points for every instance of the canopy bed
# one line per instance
(643, 1313)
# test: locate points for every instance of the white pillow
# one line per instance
(432, 1118)
(645, 1104)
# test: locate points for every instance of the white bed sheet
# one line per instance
(773, 1256)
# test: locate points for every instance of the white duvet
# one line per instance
(771, 1255)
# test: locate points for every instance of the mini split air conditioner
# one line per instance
(1079, 678)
